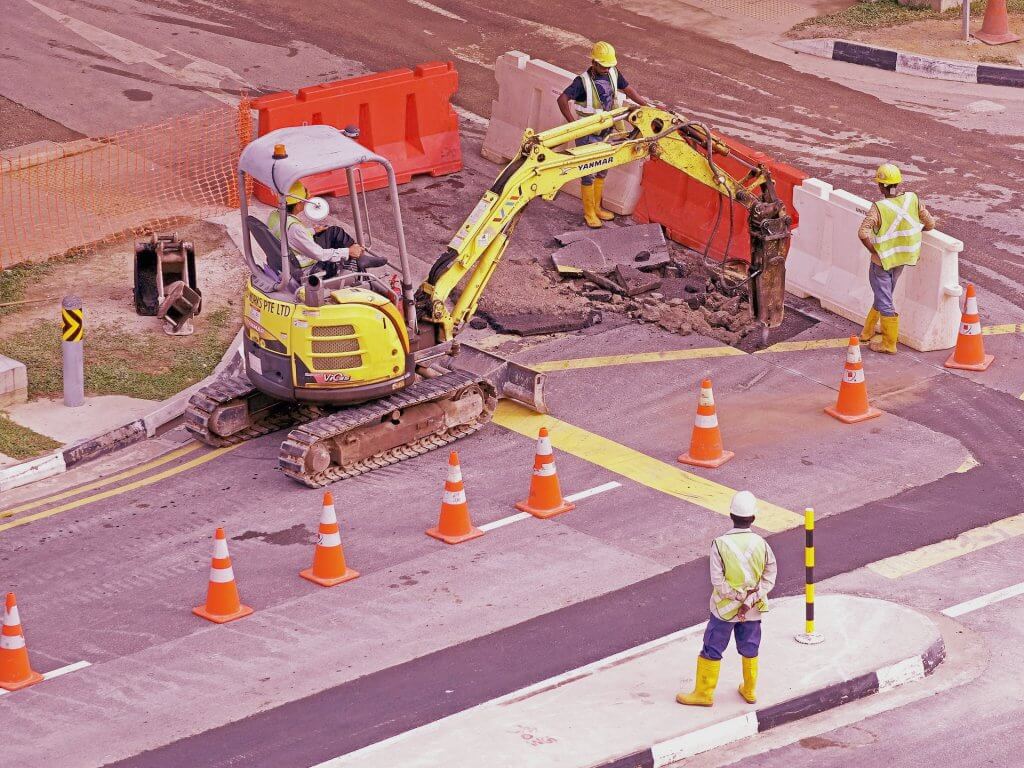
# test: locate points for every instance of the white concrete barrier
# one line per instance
(528, 90)
(828, 262)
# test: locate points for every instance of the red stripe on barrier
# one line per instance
(404, 115)
(687, 209)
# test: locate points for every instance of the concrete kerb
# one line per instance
(619, 712)
(118, 437)
(908, 63)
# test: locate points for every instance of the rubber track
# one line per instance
(203, 403)
(292, 460)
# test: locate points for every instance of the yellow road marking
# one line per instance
(637, 466)
(122, 489)
(175, 454)
(701, 353)
(933, 554)
(639, 357)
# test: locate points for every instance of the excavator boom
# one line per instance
(544, 165)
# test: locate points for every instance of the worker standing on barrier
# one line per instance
(743, 572)
(331, 246)
(892, 234)
(596, 90)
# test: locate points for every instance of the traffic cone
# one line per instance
(545, 499)
(969, 354)
(222, 603)
(329, 567)
(454, 526)
(706, 438)
(995, 29)
(852, 404)
(15, 671)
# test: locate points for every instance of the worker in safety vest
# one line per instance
(596, 90)
(892, 234)
(331, 246)
(743, 572)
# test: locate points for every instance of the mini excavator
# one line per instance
(366, 372)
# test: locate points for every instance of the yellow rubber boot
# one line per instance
(890, 332)
(870, 325)
(749, 688)
(602, 214)
(590, 207)
(703, 694)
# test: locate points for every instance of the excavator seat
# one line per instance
(271, 247)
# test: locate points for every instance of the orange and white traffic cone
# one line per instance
(222, 603)
(454, 526)
(706, 439)
(15, 671)
(995, 28)
(329, 567)
(852, 404)
(969, 354)
(545, 499)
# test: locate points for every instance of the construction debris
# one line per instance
(600, 251)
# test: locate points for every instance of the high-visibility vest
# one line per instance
(274, 225)
(591, 102)
(744, 556)
(898, 241)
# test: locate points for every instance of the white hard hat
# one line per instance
(744, 504)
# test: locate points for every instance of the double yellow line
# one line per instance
(107, 481)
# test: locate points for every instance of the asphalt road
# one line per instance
(405, 696)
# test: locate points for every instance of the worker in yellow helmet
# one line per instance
(331, 246)
(596, 90)
(892, 234)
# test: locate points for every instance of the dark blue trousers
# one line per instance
(718, 632)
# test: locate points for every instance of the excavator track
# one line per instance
(229, 390)
(446, 387)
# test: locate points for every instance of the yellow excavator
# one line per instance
(367, 373)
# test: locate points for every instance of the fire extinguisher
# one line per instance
(396, 286)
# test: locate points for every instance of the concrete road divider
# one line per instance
(827, 261)
(527, 92)
(405, 115)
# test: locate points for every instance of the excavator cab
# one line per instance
(308, 337)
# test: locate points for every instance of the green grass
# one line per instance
(889, 13)
(150, 366)
(15, 281)
(20, 442)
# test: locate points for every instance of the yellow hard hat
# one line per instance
(297, 193)
(603, 54)
(888, 174)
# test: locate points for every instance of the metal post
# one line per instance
(965, 7)
(71, 351)
(809, 636)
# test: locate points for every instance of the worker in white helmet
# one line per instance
(743, 572)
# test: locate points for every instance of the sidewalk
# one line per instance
(621, 711)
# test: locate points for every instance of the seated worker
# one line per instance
(332, 247)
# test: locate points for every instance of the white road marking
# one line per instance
(434, 9)
(60, 672)
(985, 600)
(526, 515)
(205, 74)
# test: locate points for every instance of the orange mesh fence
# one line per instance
(79, 194)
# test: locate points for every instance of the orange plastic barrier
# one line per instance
(404, 115)
(688, 209)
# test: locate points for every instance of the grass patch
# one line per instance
(20, 442)
(889, 13)
(151, 366)
(15, 281)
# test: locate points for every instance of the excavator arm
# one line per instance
(545, 164)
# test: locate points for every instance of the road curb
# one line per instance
(119, 437)
(908, 63)
(884, 679)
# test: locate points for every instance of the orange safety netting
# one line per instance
(78, 194)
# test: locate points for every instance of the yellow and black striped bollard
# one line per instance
(809, 636)
(71, 351)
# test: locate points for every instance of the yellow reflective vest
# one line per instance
(591, 103)
(274, 225)
(743, 556)
(898, 240)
